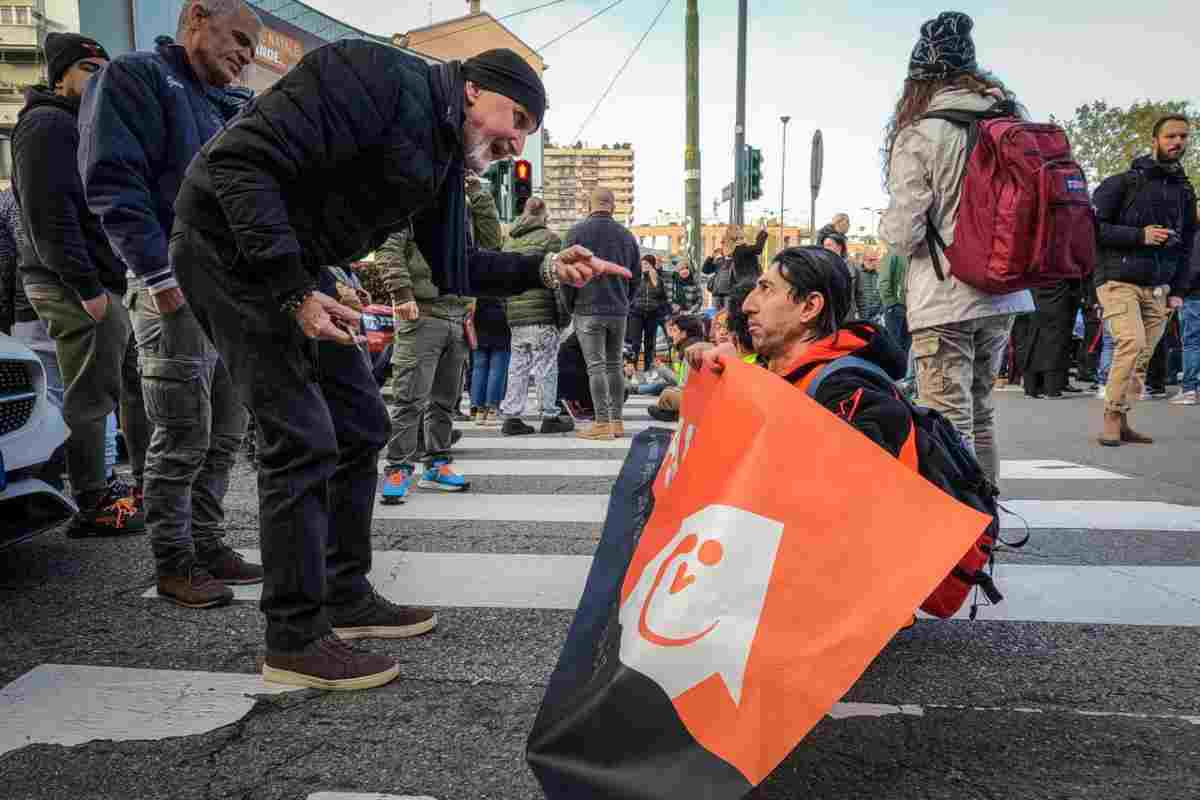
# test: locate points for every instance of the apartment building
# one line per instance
(570, 173)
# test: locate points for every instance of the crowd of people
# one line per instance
(179, 253)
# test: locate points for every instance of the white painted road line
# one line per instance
(549, 442)
(70, 705)
(1102, 515)
(498, 507)
(1100, 595)
(561, 468)
(1039, 469)
(638, 424)
(611, 467)
(1092, 515)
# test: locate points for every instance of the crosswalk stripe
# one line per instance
(637, 424)
(1093, 515)
(1100, 595)
(70, 705)
(610, 467)
(548, 442)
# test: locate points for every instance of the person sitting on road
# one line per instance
(796, 319)
(685, 332)
(652, 381)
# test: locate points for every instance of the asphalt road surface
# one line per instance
(1085, 683)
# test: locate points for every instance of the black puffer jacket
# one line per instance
(64, 242)
(350, 145)
(1159, 195)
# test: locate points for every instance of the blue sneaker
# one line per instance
(396, 484)
(443, 479)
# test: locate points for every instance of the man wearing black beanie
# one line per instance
(358, 141)
(74, 281)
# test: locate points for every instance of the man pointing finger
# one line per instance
(358, 141)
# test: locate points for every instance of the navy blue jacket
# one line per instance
(142, 120)
(608, 295)
(1150, 193)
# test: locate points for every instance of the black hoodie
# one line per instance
(64, 241)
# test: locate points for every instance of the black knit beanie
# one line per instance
(64, 49)
(945, 48)
(504, 72)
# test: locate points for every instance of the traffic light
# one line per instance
(522, 183)
(754, 161)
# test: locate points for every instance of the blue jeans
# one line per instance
(1106, 356)
(1189, 319)
(489, 377)
(895, 320)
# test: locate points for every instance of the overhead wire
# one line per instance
(571, 30)
(497, 19)
(617, 77)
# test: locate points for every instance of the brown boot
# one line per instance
(226, 565)
(1111, 437)
(197, 589)
(598, 431)
(329, 663)
(1131, 436)
(617, 428)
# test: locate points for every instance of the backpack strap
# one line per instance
(908, 452)
(1132, 192)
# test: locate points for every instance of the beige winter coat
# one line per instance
(928, 162)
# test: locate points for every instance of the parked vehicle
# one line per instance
(32, 433)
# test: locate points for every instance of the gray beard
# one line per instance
(477, 155)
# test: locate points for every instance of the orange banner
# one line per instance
(784, 552)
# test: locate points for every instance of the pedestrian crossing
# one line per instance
(68, 704)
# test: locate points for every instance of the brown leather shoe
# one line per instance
(197, 589)
(329, 663)
(1111, 437)
(379, 618)
(597, 431)
(226, 565)
(1131, 436)
(617, 428)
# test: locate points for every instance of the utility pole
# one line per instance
(782, 176)
(739, 139)
(691, 157)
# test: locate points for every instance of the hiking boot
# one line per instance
(197, 589)
(379, 618)
(662, 414)
(596, 431)
(489, 418)
(329, 663)
(1130, 436)
(116, 513)
(617, 428)
(1111, 437)
(227, 565)
(515, 427)
(1189, 398)
(440, 477)
(397, 482)
(559, 424)
(455, 437)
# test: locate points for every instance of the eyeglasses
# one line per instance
(89, 66)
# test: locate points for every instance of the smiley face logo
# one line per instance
(709, 555)
(695, 608)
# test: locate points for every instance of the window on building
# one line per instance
(6, 15)
(21, 15)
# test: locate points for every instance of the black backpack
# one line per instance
(945, 460)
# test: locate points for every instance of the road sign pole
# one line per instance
(739, 138)
(818, 166)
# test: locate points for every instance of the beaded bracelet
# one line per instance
(293, 300)
(550, 277)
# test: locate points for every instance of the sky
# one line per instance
(838, 68)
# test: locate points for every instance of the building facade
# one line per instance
(572, 172)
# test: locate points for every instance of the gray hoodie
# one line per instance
(926, 178)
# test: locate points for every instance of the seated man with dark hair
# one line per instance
(796, 318)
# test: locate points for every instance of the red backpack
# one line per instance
(1025, 219)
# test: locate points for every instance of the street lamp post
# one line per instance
(782, 176)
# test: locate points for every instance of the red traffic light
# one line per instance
(524, 170)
